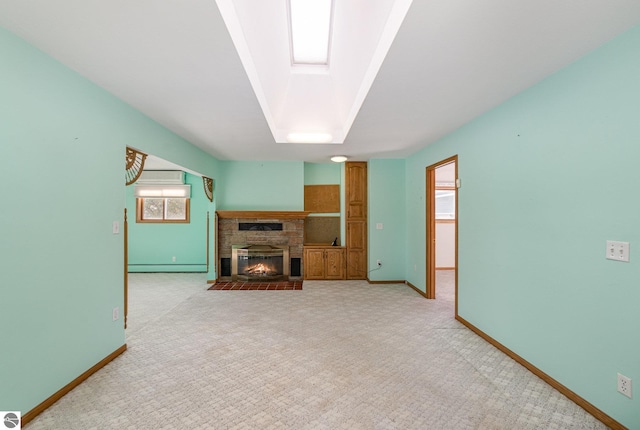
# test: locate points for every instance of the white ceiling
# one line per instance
(312, 99)
(451, 61)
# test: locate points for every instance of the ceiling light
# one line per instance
(339, 158)
(310, 31)
(309, 138)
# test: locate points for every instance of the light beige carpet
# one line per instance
(336, 355)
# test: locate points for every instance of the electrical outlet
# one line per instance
(173, 259)
(624, 385)
(379, 262)
(116, 313)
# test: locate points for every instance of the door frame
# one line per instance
(126, 268)
(431, 228)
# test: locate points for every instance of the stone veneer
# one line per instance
(292, 234)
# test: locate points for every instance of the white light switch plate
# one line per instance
(618, 251)
(116, 227)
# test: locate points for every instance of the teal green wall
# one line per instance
(547, 178)
(322, 173)
(62, 146)
(176, 150)
(541, 176)
(261, 185)
(161, 143)
(167, 146)
(152, 245)
(386, 184)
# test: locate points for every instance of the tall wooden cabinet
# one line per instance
(356, 219)
(324, 262)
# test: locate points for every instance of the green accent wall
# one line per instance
(547, 178)
(261, 185)
(322, 173)
(62, 147)
(152, 246)
(386, 184)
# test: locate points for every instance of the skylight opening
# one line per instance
(310, 31)
(309, 138)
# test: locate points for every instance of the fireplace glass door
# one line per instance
(259, 263)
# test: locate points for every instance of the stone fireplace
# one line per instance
(249, 242)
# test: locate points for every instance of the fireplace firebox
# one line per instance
(259, 263)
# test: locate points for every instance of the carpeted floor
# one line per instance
(336, 355)
(242, 285)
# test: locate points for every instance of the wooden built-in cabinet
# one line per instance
(324, 262)
(356, 220)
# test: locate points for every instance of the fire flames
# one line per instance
(260, 269)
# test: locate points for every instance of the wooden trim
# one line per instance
(207, 183)
(26, 418)
(431, 227)
(455, 261)
(134, 165)
(216, 245)
(445, 221)
(263, 214)
(207, 245)
(126, 268)
(323, 246)
(211, 281)
(422, 293)
(445, 268)
(584, 404)
(430, 292)
(399, 281)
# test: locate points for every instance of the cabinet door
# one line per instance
(356, 222)
(334, 263)
(356, 250)
(314, 263)
(356, 190)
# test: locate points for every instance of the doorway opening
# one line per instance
(162, 238)
(442, 228)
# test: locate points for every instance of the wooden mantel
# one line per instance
(264, 214)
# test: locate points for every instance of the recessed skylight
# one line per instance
(312, 93)
(309, 138)
(310, 31)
